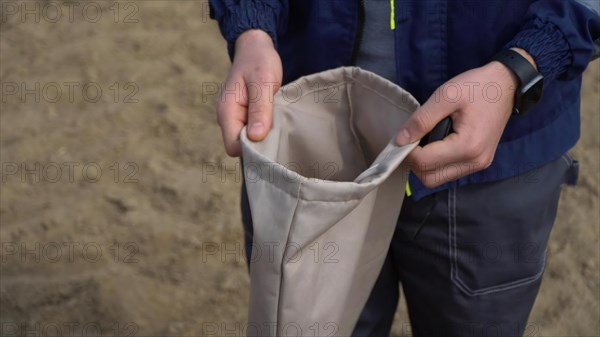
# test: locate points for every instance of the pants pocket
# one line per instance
(572, 174)
(498, 231)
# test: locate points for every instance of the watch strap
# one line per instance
(518, 64)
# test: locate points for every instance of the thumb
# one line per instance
(423, 120)
(260, 114)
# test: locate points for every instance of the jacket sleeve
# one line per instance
(237, 16)
(563, 36)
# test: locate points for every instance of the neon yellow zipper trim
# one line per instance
(408, 190)
(392, 16)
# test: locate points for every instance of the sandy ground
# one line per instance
(119, 210)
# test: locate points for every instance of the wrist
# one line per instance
(504, 72)
(254, 37)
(527, 56)
(505, 77)
(528, 81)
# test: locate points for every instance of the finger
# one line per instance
(444, 161)
(259, 120)
(424, 119)
(439, 153)
(260, 112)
(231, 118)
(440, 161)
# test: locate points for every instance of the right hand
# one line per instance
(253, 79)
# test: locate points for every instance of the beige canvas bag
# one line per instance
(325, 190)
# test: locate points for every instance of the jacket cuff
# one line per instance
(248, 15)
(547, 45)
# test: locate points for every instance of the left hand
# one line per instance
(480, 102)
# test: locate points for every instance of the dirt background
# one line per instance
(123, 239)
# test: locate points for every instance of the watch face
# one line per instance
(531, 93)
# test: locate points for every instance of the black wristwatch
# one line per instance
(531, 82)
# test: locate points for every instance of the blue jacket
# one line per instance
(436, 40)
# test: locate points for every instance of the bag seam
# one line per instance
(354, 80)
(287, 239)
(351, 125)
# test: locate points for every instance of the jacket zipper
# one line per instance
(359, 32)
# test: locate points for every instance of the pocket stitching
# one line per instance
(453, 253)
(568, 159)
